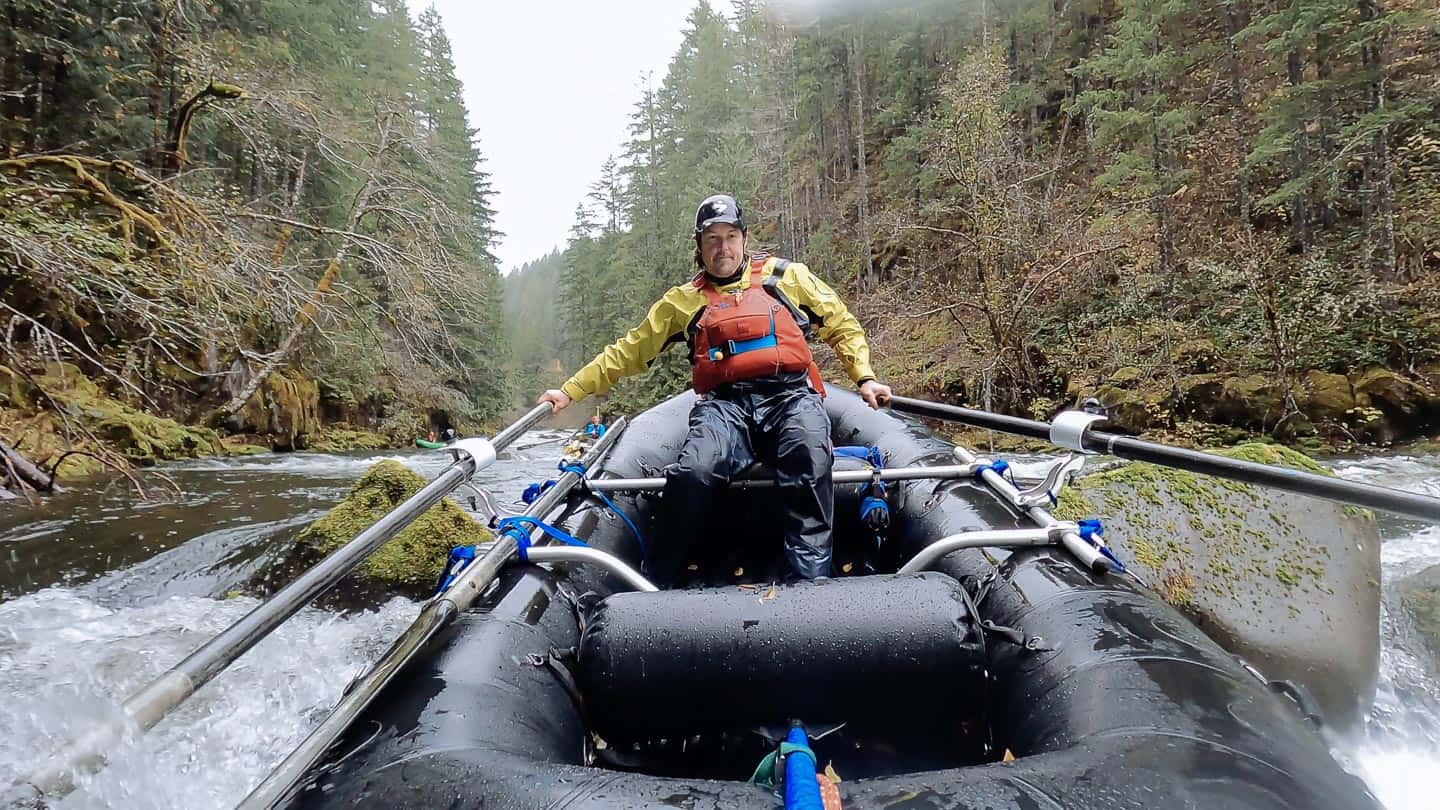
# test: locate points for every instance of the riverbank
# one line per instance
(64, 421)
(70, 426)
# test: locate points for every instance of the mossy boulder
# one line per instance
(1196, 356)
(411, 561)
(1127, 376)
(1197, 395)
(15, 390)
(1133, 411)
(1420, 596)
(1328, 397)
(340, 438)
(1289, 583)
(1252, 400)
(1404, 402)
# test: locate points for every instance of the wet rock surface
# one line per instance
(1420, 596)
(1289, 583)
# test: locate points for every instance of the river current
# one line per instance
(101, 592)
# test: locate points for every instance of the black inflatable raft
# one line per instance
(567, 691)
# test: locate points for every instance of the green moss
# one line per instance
(140, 437)
(1242, 527)
(1262, 453)
(1072, 505)
(416, 555)
(1147, 555)
(286, 408)
(339, 439)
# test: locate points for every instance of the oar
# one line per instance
(1073, 430)
(437, 613)
(146, 707)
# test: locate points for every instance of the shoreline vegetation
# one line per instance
(223, 229)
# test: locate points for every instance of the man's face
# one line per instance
(722, 249)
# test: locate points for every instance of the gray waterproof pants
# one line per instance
(777, 421)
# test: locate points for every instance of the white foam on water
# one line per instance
(1401, 778)
(1399, 758)
(66, 663)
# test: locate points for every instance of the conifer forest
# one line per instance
(269, 222)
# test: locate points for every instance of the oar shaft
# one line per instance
(1282, 478)
(437, 613)
(156, 699)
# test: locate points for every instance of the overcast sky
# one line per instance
(550, 85)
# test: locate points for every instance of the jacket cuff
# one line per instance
(573, 391)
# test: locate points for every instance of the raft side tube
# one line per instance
(1129, 705)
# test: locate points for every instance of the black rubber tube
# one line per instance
(1118, 702)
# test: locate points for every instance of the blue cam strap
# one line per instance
(742, 346)
(875, 494)
(520, 526)
(867, 453)
(1090, 531)
(765, 341)
(1000, 467)
(460, 558)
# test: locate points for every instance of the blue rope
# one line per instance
(534, 491)
(867, 453)
(520, 526)
(644, 555)
(579, 469)
(1090, 531)
(875, 493)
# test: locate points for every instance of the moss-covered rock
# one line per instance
(1328, 397)
(412, 560)
(1403, 401)
(15, 390)
(285, 409)
(1420, 596)
(1196, 356)
(142, 438)
(1198, 395)
(1134, 411)
(1127, 376)
(340, 438)
(1288, 582)
(1253, 400)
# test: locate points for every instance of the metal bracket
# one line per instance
(1048, 491)
(487, 506)
(1068, 429)
(480, 450)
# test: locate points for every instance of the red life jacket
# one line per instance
(747, 334)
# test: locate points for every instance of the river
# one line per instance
(100, 592)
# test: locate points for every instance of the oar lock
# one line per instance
(1045, 492)
(1068, 428)
(478, 449)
